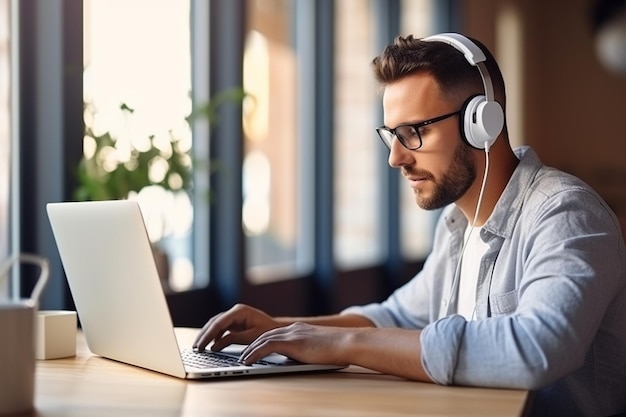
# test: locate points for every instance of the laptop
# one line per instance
(107, 257)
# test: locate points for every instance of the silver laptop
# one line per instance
(110, 268)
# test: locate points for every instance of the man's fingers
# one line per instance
(241, 324)
(214, 329)
(232, 326)
(269, 342)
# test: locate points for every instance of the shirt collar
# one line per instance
(502, 220)
(509, 206)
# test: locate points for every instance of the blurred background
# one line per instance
(245, 130)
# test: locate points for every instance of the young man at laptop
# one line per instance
(526, 284)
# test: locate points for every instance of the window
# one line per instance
(280, 201)
(137, 84)
(303, 206)
(272, 213)
(358, 162)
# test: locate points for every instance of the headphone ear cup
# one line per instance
(482, 122)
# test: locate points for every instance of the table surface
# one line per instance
(88, 385)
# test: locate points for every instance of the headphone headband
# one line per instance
(483, 117)
(473, 54)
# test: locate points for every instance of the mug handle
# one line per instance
(30, 259)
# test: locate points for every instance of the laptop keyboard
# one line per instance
(210, 359)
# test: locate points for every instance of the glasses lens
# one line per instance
(409, 137)
(386, 136)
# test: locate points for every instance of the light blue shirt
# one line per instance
(550, 300)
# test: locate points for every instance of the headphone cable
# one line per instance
(457, 272)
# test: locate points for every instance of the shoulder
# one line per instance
(538, 193)
(555, 189)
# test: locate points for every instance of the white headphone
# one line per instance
(482, 116)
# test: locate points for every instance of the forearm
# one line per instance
(391, 351)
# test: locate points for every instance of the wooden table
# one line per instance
(91, 386)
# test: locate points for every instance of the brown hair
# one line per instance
(457, 78)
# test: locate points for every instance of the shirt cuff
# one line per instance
(441, 342)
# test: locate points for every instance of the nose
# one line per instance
(399, 156)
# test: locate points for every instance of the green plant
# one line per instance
(103, 176)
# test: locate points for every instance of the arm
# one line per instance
(391, 351)
(333, 339)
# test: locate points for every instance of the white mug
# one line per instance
(17, 342)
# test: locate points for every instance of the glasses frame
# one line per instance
(416, 126)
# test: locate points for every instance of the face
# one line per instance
(443, 169)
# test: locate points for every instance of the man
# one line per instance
(526, 283)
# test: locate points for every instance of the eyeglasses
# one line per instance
(409, 135)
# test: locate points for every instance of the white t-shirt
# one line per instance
(475, 248)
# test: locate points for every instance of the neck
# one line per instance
(502, 163)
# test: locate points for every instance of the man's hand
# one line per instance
(302, 342)
(241, 324)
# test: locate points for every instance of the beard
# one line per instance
(454, 183)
